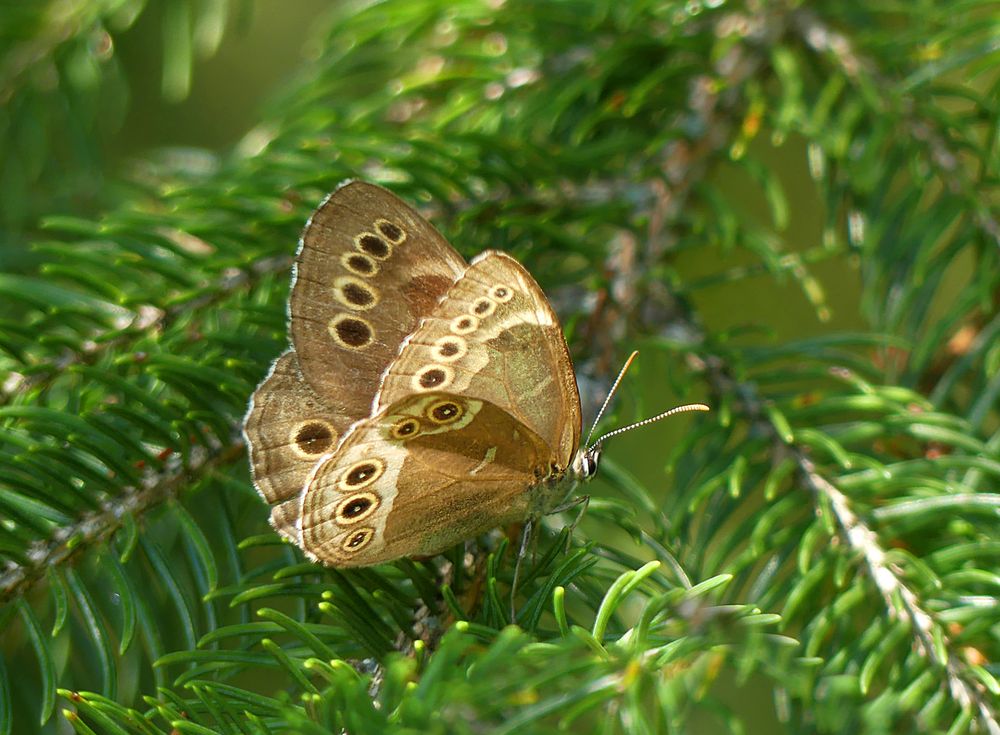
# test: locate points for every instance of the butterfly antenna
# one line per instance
(611, 394)
(637, 424)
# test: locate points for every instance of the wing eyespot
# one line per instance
(405, 428)
(449, 348)
(351, 332)
(355, 508)
(361, 474)
(483, 307)
(444, 412)
(312, 438)
(354, 293)
(501, 293)
(373, 245)
(390, 231)
(465, 324)
(355, 541)
(359, 264)
(431, 377)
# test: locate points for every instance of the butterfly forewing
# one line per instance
(431, 470)
(494, 337)
(369, 268)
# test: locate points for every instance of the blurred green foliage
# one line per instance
(791, 207)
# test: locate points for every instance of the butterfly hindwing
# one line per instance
(287, 430)
(429, 471)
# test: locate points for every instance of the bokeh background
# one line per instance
(788, 208)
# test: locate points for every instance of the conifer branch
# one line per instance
(902, 601)
(68, 543)
(137, 323)
(588, 139)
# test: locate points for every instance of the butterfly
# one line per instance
(424, 400)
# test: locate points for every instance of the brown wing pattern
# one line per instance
(287, 430)
(428, 472)
(369, 267)
(464, 370)
(494, 337)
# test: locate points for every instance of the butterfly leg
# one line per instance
(583, 502)
(527, 533)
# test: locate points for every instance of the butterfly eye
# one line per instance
(588, 463)
(357, 540)
(405, 428)
(501, 293)
(356, 508)
(444, 412)
(361, 474)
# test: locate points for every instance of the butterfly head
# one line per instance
(585, 463)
